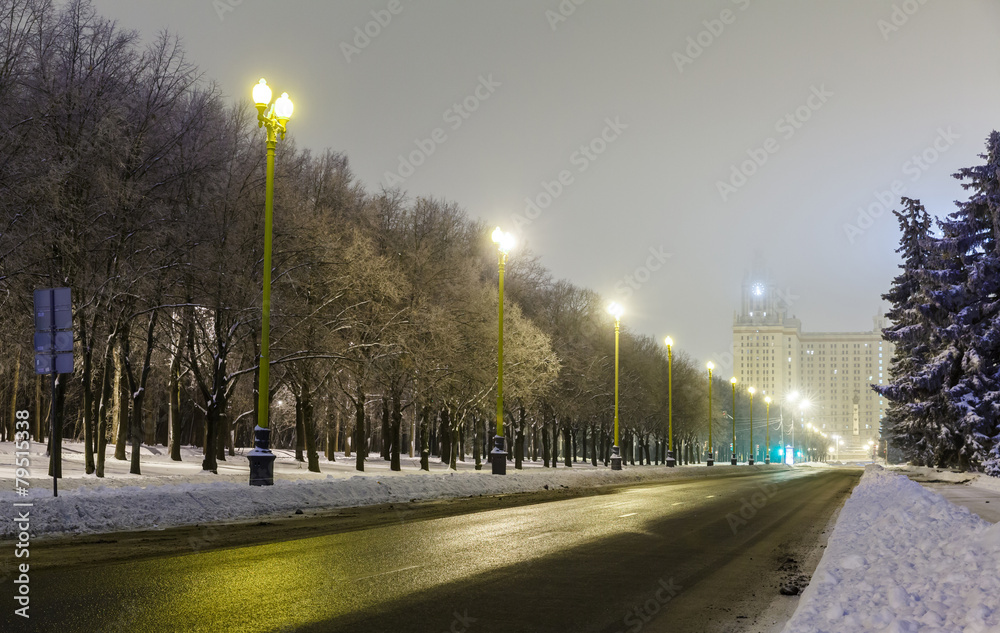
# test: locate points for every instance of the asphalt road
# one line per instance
(698, 556)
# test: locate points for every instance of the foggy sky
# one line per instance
(869, 84)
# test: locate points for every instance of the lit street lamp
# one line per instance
(616, 457)
(752, 455)
(273, 117)
(767, 432)
(710, 461)
(498, 457)
(732, 459)
(671, 461)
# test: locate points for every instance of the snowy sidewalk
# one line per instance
(903, 559)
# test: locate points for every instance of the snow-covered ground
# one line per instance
(179, 493)
(903, 559)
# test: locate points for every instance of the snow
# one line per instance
(180, 493)
(903, 559)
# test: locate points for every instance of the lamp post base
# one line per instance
(732, 461)
(498, 456)
(767, 460)
(710, 459)
(261, 459)
(616, 458)
(671, 461)
(750, 461)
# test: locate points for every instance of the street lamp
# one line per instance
(671, 461)
(272, 117)
(752, 391)
(498, 456)
(711, 453)
(732, 459)
(767, 432)
(616, 457)
(803, 405)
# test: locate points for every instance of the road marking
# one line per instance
(677, 504)
(630, 514)
(531, 538)
(709, 496)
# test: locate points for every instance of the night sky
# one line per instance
(669, 141)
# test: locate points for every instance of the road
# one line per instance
(675, 556)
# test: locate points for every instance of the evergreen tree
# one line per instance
(910, 333)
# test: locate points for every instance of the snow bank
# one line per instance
(902, 559)
(97, 508)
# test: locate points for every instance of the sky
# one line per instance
(647, 150)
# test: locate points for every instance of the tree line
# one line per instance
(944, 387)
(127, 176)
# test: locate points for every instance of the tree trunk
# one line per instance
(568, 438)
(119, 406)
(309, 426)
(174, 406)
(519, 439)
(477, 437)
(386, 438)
(396, 429)
(299, 429)
(425, 449)
(360, 431)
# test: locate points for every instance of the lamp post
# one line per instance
(732, 459)
(752, 391)
(803, 405)
(616, 457)
(710, 461)
(671, 461)
(767, 433)
(272, 117)
(498, 456)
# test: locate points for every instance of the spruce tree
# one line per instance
(910, 332)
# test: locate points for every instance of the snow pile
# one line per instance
(95, 509)
(902, 559)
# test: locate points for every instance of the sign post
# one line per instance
(53, 356)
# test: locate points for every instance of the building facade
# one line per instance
(830, 371)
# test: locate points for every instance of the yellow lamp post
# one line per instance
(272, 117)
(732, 458)
(767, 433)
(671, 460)
(616, 457)
(752, 452)
(498, 456)
(710, 461)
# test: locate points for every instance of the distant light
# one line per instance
(733, 380)
(710, 365)
(669, 341)
(616, 310)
